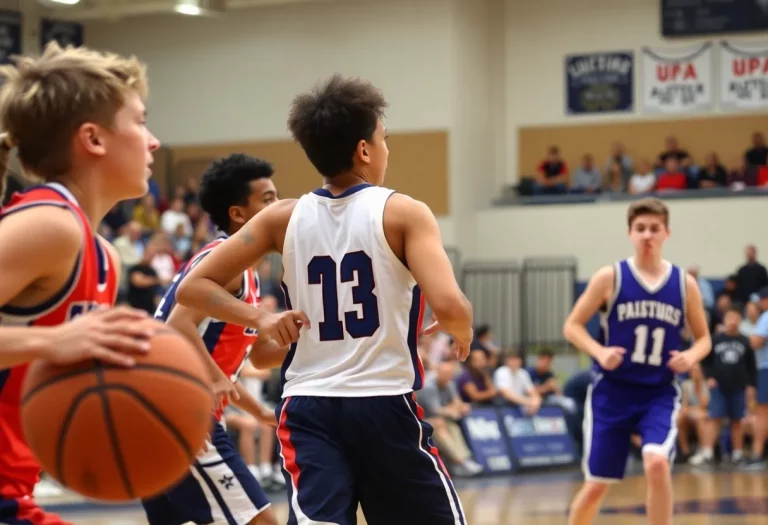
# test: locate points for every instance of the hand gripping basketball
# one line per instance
(109, 335)
(284, 327)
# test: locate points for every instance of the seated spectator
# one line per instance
(129, 247)
(757, 155)
(484, 341)
(552, 174)
(722, 305)
(175, 216)
(744, 176)
(691, 419)
(586, 178)
(673, 150)
(671, 179)
(163, 260)
(147, 215)
(116, 220)
(443, 409)
(644, 180)
(619, 155)
(546, 384)
(143, 283)
(515, 386)
(751, 315)
(730, 288)
(182, 243)
(712, 174)
(613, 178)
(474, 383)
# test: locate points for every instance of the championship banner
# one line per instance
(677, 80)
(744, 75)
(10, 35)
(487, 440)
(63, 32)
(539, 440)
(599, 82)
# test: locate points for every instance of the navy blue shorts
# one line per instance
(218, 490)
(614, 411)
(375, 451)
(727, 406)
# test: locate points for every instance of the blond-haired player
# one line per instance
(77, 120)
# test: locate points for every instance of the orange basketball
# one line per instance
(116, 433)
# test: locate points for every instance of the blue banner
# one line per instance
(64, 32)
(487, 440)
(10, 35)
(599, 82)
(539, 440)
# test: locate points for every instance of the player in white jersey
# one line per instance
(359, 260)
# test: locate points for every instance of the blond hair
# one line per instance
(44, 100)
(647, 206)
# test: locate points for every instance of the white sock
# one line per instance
(737, 454)
(708, 453)
(266, 469)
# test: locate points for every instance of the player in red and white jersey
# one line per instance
(232, 191)
(77, 120)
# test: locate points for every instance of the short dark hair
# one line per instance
(482, 331)
(330, 121)
(647, 206)
(226, 183)
(546, 352)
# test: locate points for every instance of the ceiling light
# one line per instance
(200, 7)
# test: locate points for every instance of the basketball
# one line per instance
(115, 433)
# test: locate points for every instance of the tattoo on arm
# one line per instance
(247, 237)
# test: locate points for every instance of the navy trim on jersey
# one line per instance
(292, 350)
(413, 335)
(212, 334)
(4, 375)
(322, 192)
(29, 311)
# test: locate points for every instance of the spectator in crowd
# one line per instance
(484, 341)
(147, 215)
(129, 247)
(115, 220)
(552, 174)
(576, 389)
(644, 180)
(716, 320)
(743, 176)
(613, 180)
(474, 383)
(163, 259)
(712, 174)
(729, 288)
(545, 381)
(515, 386)
(673, 150)
(443, 409)
(191, 189)
(174, 217)
(757, 155)
(182, 243)
(705, 288)
(672, 178)
(143, 283)
(751, 277)
(626, 167)
(759, 342)
(692, 418)
(731, 373)
(751, 315)
(586, 178)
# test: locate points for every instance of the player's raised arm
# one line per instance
(430, 266)
(36, 258)
(204, 287)
(599, 289)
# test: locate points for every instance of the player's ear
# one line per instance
(89, 137)
(236, 215)
(362, 152)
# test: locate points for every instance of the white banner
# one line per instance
(677, 80)
(744, 75)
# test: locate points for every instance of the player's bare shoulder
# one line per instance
(276, 216)
(603, 281)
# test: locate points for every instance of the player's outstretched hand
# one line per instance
(223, 389)
(612, 357)
(284, 327)
(680, 362)
(109, 335)
(461, 341)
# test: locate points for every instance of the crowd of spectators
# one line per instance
(672, 170)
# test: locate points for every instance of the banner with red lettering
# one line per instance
(677, 80)
(743, 75)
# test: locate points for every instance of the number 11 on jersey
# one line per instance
(640, 354)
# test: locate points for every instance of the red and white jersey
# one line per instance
(229, 344)
(93, 283)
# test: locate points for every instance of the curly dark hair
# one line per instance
(226, 183)
(331, 120)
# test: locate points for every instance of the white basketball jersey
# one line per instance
(363, 304)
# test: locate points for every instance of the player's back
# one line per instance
(646, 321)
(364, 305)
(92, 283)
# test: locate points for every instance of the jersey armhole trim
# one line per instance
(616, 288)
(47, 306)
(383, 236)
(683, 296)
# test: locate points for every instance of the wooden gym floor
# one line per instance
(701, 498)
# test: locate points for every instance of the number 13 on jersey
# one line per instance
(322, 270)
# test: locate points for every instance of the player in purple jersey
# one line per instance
(644, 303)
